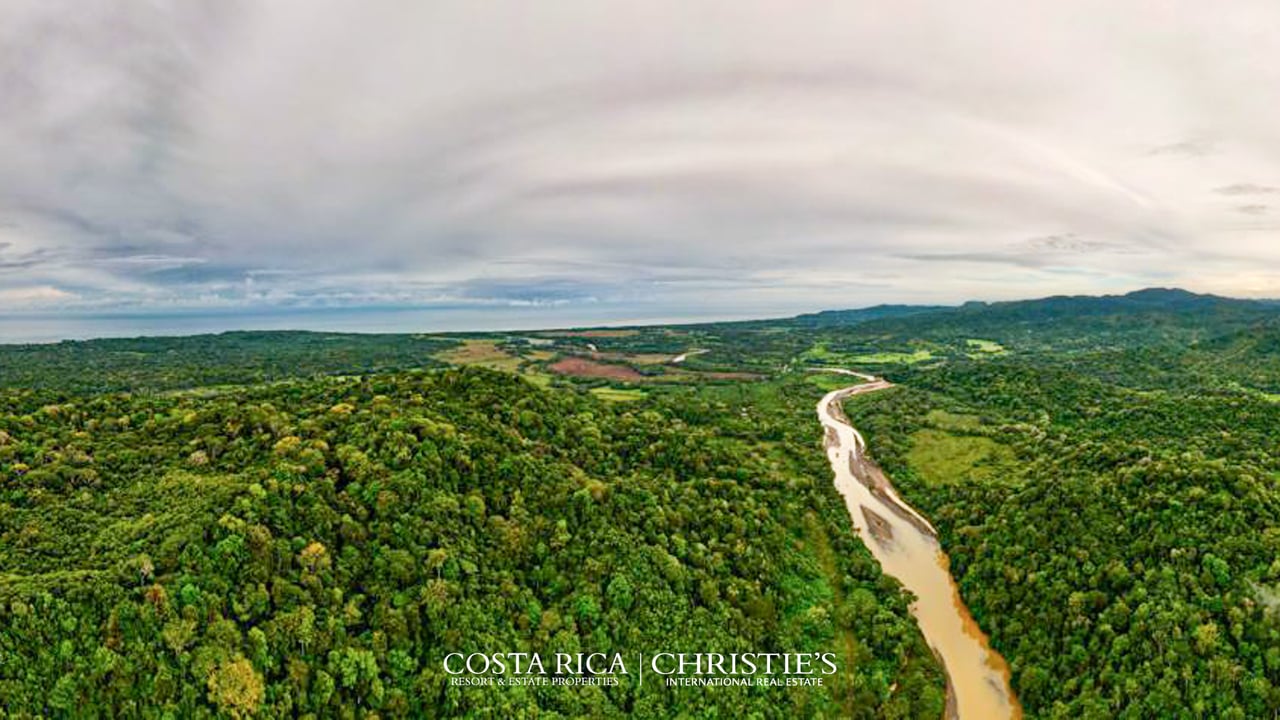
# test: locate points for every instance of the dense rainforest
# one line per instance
(316, 547)
(233, 358)
(300, 524)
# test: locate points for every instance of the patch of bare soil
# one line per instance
(582, 367)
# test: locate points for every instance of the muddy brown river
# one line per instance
(907, 547)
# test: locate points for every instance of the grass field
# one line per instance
(944, 420)
(891, 358)
(649, 358)
(829, 381)
(484, 353)
(823, 354)
(617, 394)
(942, 458)
(540, 379)
(988, 347)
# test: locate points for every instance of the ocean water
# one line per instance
(16, 329)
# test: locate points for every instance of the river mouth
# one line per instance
(907, 547)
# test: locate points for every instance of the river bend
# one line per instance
(907, 547)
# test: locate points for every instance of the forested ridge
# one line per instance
(200, 361)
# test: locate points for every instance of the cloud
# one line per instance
(1245, 189)
(1186, 148)
(1052, 253)
(33, 296)
(14, 258)
(735, 158)
(1069, 243)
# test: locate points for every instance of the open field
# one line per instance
(890, 358)
(943, 458)
(581, 367)
(611, 394)
(484, 353)
(822, 353)
(826, 382)
(944, 420)
(985, 346)
(715, 375)
(637, 358)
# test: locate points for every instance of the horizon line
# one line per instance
(514, 328)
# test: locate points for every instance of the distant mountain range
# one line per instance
(1170, 315)
(1138, 301)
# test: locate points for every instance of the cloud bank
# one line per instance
(740, 158)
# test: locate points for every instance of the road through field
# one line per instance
(907, 547)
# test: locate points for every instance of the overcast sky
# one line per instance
(657, 158)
